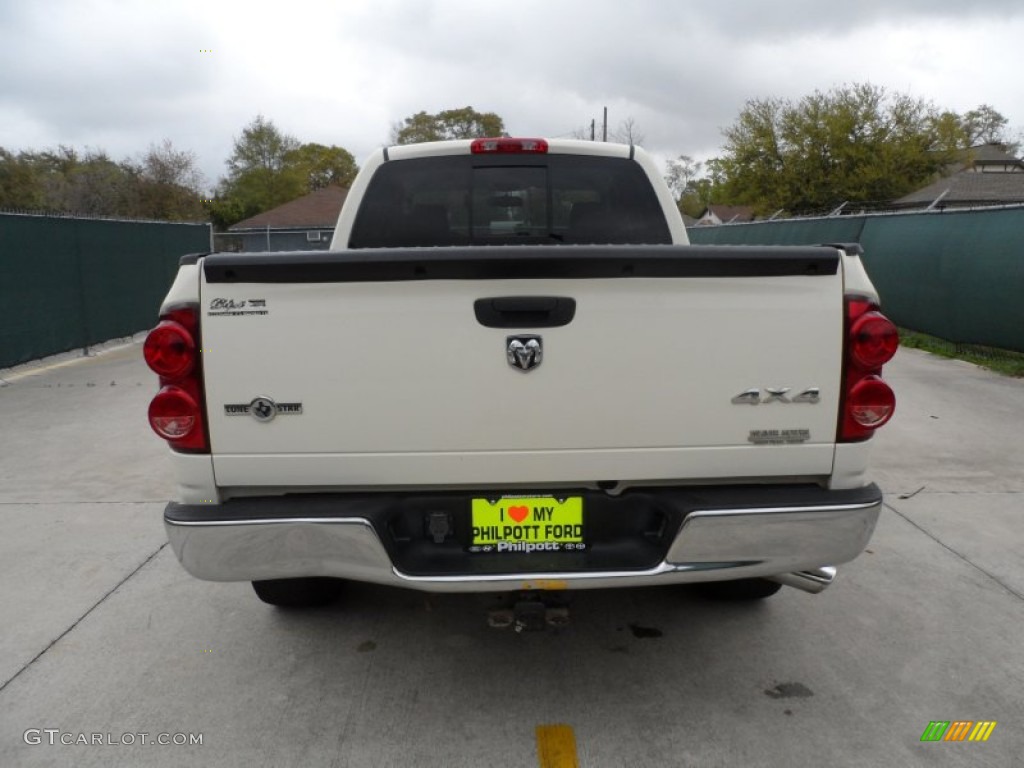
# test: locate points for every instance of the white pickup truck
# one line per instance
(511, 372)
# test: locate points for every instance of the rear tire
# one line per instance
(308, 592)
(739, 589)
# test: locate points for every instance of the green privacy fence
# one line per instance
(958, 275)
(67, 283)
(845, 229)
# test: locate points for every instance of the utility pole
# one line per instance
(592, 124)
(604, 130)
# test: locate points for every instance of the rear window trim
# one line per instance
(645, 224)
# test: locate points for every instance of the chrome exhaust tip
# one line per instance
(814, 581)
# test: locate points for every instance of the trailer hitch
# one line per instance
(531, 612)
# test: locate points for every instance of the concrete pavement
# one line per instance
(103, 632)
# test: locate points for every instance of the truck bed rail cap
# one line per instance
(520, 262)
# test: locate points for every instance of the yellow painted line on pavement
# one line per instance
(105, 354)
(556, 746)
(43, 369)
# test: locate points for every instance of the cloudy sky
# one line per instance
(120, 75)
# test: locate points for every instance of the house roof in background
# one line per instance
(727, 213)
(967, 183)
(993, 154)
(971, 188)
(317, 210)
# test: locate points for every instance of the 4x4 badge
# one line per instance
(777, 395)
(524, 352)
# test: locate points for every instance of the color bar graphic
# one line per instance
(958, 730)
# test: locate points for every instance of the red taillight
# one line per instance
(173, 413)
(172, 351)
(871, 340)
(507, 145)
(871, 402)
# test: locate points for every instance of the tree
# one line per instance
(268, 168)
(692, 193)
(984, 125)
(163, 184)
(53, 170)
(681, 174)
(20, 183)
(224, 211)
(319, 166)
(163, 164)
(255, 168)
(89, 183)
(854, 143)
(948, 129)
(465, 123)
(753, 162)
(169, 183)
(628, 133)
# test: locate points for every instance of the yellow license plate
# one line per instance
(527, 524)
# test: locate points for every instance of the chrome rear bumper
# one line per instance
(789, 544)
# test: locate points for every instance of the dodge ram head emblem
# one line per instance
(524, 352)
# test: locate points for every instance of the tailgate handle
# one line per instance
(525, 311)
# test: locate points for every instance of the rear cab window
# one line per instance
(466, 200)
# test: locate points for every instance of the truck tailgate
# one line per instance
(383, 375)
